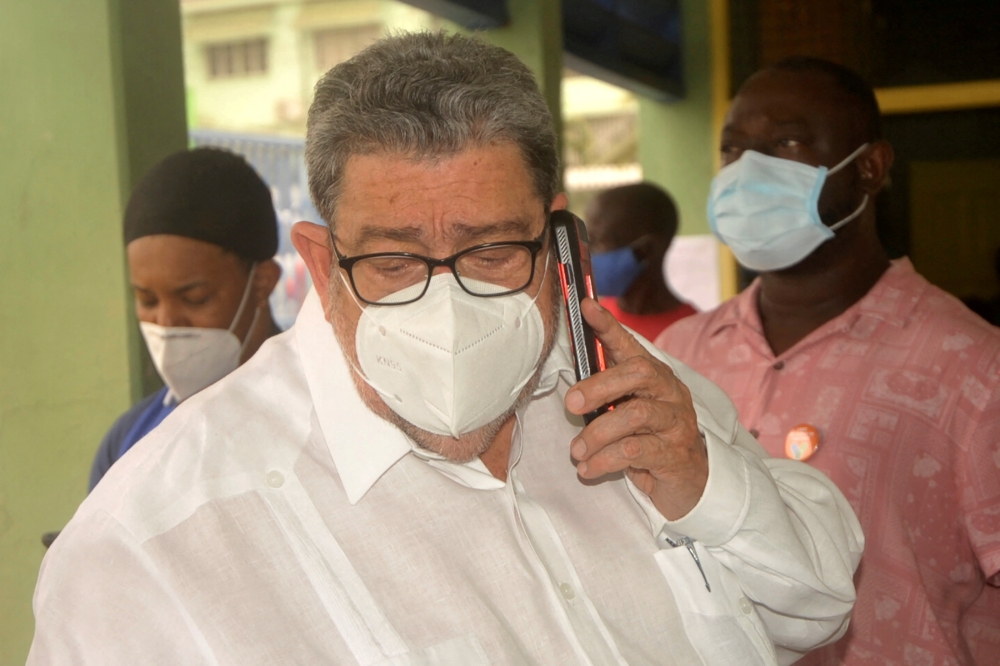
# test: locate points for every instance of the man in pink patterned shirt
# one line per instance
(837, 355)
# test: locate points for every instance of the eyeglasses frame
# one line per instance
(347, 263)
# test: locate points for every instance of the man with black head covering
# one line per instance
(201, 234)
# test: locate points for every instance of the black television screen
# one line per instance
(471, 14)
(635, 44)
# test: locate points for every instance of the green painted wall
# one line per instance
(534, 35)
(676, 147)
(92, 97)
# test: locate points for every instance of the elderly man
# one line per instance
(391, 481)
(858, 364)
(630, 230)
(200, 233)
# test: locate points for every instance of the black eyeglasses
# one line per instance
(398, 278)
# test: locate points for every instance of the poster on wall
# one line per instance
(691, 267)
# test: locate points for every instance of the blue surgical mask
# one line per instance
(766, 209)
(615, 271)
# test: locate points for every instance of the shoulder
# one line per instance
(680, 338)
(111, 446)
(125, 422)
(217, 443)
(953, 332)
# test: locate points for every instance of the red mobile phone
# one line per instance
(577, 282)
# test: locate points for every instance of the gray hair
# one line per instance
(426, 95)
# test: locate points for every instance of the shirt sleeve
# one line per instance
(781, 527)
(150, 625)
(107, 452)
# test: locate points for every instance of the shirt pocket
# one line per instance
(722, 624)
(462, 651)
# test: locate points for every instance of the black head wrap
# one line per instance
(210, 195)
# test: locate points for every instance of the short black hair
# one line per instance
(847, 81)
(647, 207)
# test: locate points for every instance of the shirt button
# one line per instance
(275, 479)
(567, 591)
(745, 605)
(779, 365)
(755, 432)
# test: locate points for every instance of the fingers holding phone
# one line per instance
(652, 433)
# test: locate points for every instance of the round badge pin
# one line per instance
(801, 442)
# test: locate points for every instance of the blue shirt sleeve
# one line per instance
(111, 446)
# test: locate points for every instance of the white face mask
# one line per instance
(191, 359)
(766, 209)
(450, 362)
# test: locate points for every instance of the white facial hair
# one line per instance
(471, 444)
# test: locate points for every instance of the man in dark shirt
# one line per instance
(201, 234)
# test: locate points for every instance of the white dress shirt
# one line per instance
(274, 519)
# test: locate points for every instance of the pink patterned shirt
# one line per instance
(904, 390)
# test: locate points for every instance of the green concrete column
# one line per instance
(676, 147)
(93, 95)
(534, 35)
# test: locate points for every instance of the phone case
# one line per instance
(577, 283)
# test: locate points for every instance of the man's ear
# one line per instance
(875, 166)
(312, 241)
(561, 202)
(650, 248)
(265, 277)
(644, 247)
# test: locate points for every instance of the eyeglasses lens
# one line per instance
(488, 271)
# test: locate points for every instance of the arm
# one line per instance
(786, 533)
(111, 445)
(780, 527)
(105, 456)
(101, 600)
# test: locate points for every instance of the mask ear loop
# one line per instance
(864, 202)
(347, 356)
(847, 160)
(239, 311)
(545, 274)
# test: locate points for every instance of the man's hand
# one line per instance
(652, 433)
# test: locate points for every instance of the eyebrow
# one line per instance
(730, 130)
(506, 228)
(799, 124)
(415, 234)
(179, 290)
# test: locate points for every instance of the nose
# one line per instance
(169, 315)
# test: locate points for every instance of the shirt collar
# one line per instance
(364, 446)
(894, 296)
(891, 300)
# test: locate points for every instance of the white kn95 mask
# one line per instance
(450, 362)
(190, 359)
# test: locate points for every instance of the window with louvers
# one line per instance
(237, 59)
